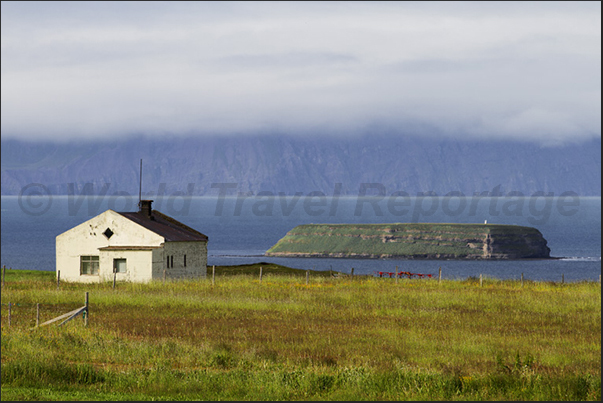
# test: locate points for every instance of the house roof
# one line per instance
(165, 226)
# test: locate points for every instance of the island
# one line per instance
(413, 241)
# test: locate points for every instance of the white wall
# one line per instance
(86, 238)
(138, 265)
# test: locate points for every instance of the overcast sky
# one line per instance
(513, 70)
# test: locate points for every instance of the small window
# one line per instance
(108, 233)
(119, 265)
(172, 261)
(168, 262)
(89, 265)
(184, 260)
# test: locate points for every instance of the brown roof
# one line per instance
(170, 229)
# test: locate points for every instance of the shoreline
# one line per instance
(403, 257)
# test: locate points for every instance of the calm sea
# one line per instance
(241, 229)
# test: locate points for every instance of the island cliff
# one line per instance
(413, 241)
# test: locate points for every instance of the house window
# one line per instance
(108, 233)
(119, 265)
(184, 260)
(89, 265)
(172, 261)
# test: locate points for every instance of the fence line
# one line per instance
(83, 310)
(28, 305)
(69, 315)
(395, 274)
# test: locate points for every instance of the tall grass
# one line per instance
(332, 339)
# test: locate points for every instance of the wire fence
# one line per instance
(22, 313)
(30, 314)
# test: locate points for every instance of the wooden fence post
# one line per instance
(307, 277)
(10, 309)
(260, 274)
(352, 273)
(480, 280)
(3, 274)
(58, 279)
(86, 313)
(114, 277)
(396, 274)
(213, 275)
(562, 278)
(38, 315)
(440, 275)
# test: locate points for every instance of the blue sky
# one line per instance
(522, 70)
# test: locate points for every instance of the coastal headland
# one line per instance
(413, 241)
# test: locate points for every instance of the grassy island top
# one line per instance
(427, 240)
(378, 229)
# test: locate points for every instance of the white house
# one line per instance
(138, 246)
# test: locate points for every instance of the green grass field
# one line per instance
(336, 338)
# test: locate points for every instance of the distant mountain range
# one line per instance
(291, 164)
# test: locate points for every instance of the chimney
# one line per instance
(145, 208)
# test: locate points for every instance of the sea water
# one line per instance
(242, 228)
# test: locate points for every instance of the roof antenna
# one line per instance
(140, 188)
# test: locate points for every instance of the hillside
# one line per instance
(291, 164)
(412, 241)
